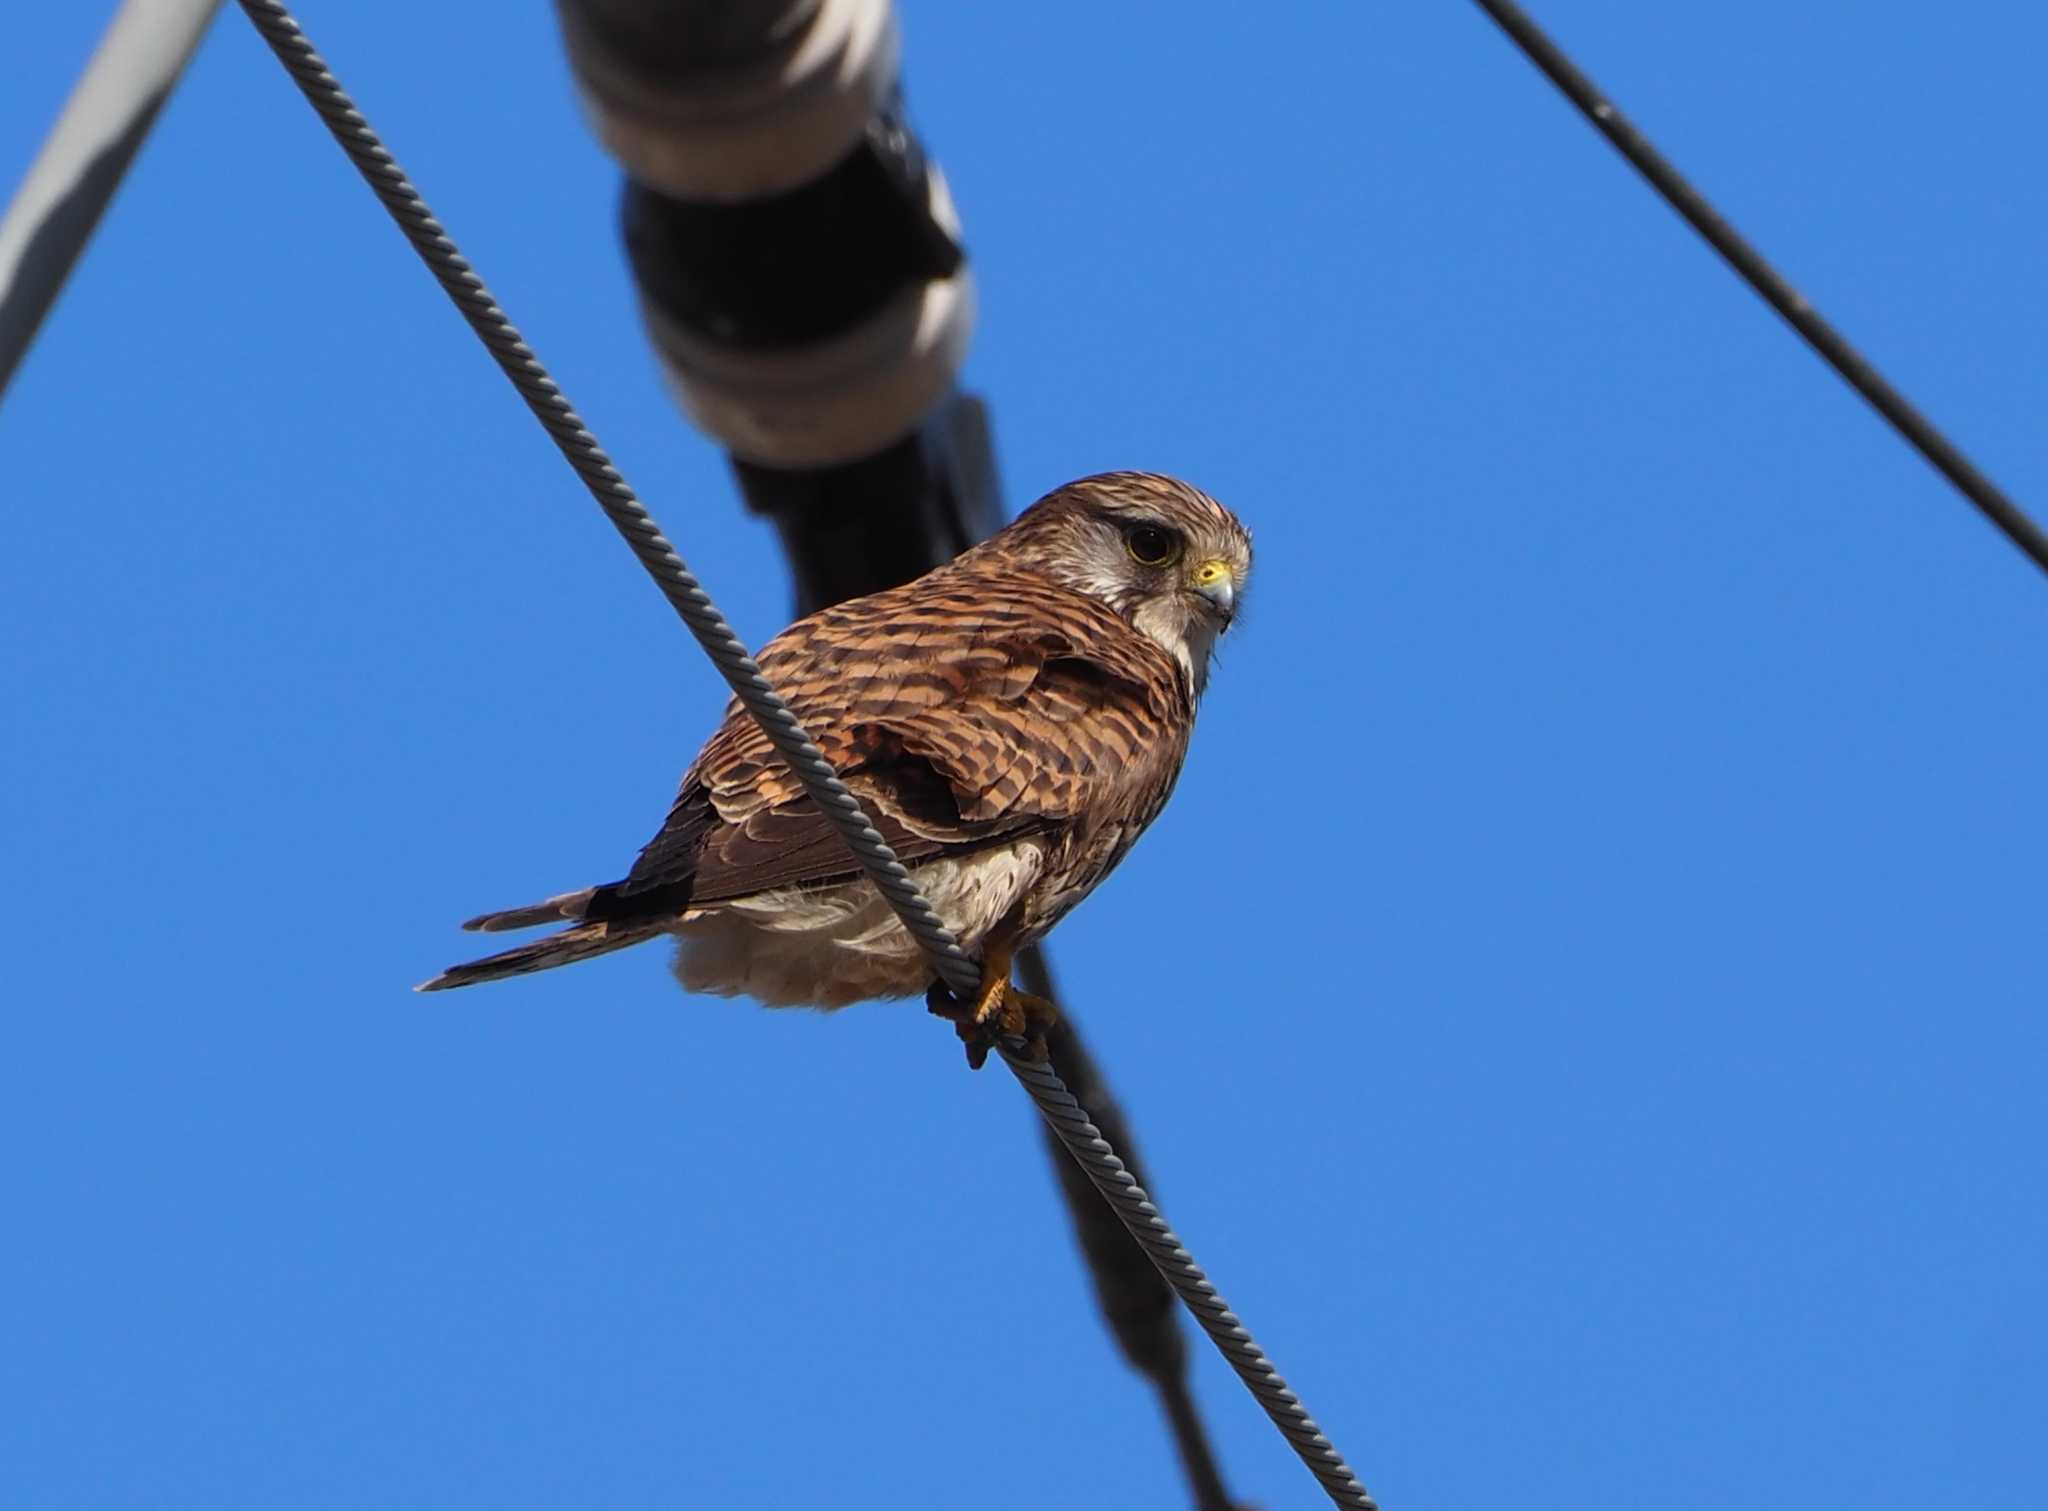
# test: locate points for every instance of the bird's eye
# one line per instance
(1151, 545)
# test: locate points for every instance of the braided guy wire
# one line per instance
(728, 653)
(1068, 1120)
(612, 492)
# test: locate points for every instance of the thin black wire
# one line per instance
(1917, 429)
(623, 507)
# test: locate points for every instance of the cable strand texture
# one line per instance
(613, 494)
(701, 616)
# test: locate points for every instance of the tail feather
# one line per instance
(571, 944)
(569, 905)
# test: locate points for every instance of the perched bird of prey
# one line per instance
(1011, 721)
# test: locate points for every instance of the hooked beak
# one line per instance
(1214, 584)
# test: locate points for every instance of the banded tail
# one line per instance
(580, 941)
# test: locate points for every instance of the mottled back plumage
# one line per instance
(1011, 721)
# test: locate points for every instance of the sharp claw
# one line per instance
(1002, 1012)
(967, 1022)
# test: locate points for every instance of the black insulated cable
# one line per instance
(1917, 430)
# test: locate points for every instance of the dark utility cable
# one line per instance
(1917, 429)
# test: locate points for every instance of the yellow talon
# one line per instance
(999, 1011)
(995, 988)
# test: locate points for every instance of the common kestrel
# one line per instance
(1011, 721)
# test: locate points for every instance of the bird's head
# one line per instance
(1162, 554)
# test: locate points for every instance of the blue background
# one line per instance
(1584, 1006)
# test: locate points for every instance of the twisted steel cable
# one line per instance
(1068, 1121)
(613, 494)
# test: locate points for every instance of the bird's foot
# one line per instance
(1000, 1011)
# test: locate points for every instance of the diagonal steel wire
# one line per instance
(613, 494)
(729, 654)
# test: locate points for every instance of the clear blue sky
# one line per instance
(1603, 1062)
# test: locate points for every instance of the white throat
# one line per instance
(1190, 638)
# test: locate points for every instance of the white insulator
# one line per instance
(754, 129)
(835, 400)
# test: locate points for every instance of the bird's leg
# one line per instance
(999, 1009)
